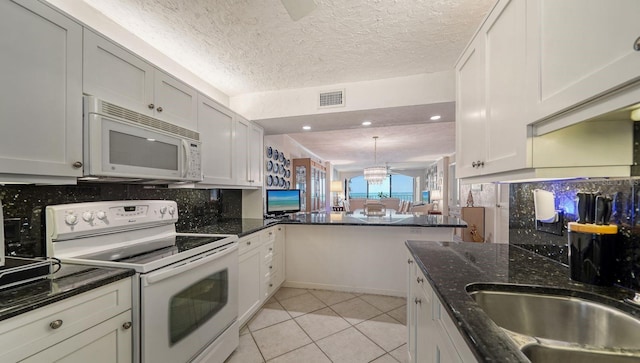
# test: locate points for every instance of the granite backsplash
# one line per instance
(626, 196)
(23, 205)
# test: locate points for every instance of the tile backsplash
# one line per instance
(23, 205)
(626, 195)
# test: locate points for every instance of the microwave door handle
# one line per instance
(155, 277)
(185, 159)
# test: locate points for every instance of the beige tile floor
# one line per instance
(321, 326)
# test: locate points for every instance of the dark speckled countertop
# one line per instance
(70, 280)
(451, 266)
(244, 226)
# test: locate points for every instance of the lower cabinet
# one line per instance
(432, 335)
(94, 326)
(261, 269)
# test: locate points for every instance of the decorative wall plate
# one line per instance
(269, 180)
(287, 162)
(283, 171)
(269, 165)
(269, 151)
(282, 157)
(276, 168)
(282, 182)
(276, 181)
(276, 154)
(288, 174)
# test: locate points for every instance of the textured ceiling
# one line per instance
(245, 46)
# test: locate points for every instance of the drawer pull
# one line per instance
(409, 261)
(55, 324)
(270, 249)
(418, 301)
(151, 106)
(126, 325)
(270, 267)
(248, 243)
(420, 280)
(270, 285)
(159, 109)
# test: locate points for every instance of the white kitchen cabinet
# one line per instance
(41, 96)
(92, 326)
(491, 132)
(116, 75)
(432, 335)
(248, 145)
(216, 127)
(578, 50)
(272, 273)
(249, 276)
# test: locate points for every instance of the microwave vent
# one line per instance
(331, 99)
(138, 118)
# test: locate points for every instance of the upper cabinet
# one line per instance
(41, 95)
(491, 134)
(216, 128)
(531, 61)
(248, 153)
(116, 75)
(579, 50)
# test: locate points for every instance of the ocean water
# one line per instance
(401, 196)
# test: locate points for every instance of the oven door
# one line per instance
(187, 305)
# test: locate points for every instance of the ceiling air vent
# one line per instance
(331, 99)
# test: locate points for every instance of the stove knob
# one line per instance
(71, 219)
(163, 210)
(87, 216)
(101, 215)
(172, 211)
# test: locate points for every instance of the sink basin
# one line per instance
(547, 354)
(560, 318)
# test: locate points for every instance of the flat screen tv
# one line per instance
(283, 201)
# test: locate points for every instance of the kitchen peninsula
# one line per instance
(346, 251)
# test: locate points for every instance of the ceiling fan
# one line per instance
(298, 9)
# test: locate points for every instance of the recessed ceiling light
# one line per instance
(435, 117)
(306, 127)
(366, 123)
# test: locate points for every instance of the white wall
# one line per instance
(393, 92)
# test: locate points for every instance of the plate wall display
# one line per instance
(269, 151)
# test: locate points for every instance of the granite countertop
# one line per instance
(244, 226)
(451, 266)
(68, 281)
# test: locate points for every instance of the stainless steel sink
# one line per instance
(558, 328)
(554, 354)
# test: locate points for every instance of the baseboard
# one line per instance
(316, 286)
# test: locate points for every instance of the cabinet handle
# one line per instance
(151, 106)
(248, 243)
(77, 164)
(270, 285)
(418, 301)
(409, 261)
(55, 324)
(420, 280)
(270, 249)
(636, 45)
(126, 325)
(270, 267)
(159, 109)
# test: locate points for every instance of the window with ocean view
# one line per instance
(394, 186)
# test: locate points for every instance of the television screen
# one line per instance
(425, 196)
(283, 201)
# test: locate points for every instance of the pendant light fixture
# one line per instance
(375, 174)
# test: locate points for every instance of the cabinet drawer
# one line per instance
(269, 235)
(268, 251)
(34, 331)
(247, 243)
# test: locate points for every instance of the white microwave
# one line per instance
(124, 145)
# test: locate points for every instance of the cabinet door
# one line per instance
(108, 342)
(506, 146)
(116, 75)
(470, 109)
(41, 94)
(249, 284)
(411, 309)
(175, 102)
(578, 50)
(215, 124)
(242, 129)
(256, 142)
(425, 337)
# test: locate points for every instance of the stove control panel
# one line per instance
(76, 220)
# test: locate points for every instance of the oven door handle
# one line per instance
(154, 277)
